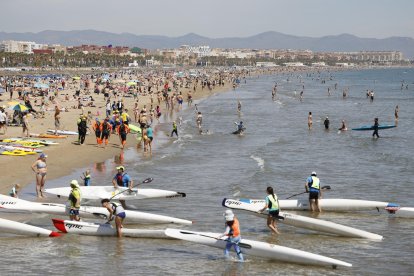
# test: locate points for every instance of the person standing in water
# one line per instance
(239, 106)
(74, 200)
(310, 120)
(272, 204)
(326, 123)
(397, 109)
(40, 168)
(312, 187)
(233, 233)
(343, 126)
(376, 125)
(175, 129)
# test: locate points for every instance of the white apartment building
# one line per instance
(200, 51)
(27, 47)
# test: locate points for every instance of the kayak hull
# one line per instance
(257, 248)
(303, 222)
(105, 229)
(118, 193)
(19, 228)
(364, 128)
(11, 204)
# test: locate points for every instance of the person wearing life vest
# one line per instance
(272, 205)
(313, 187)
(122, 130)
(233, 233)
(106, 129)
(117, 211)
(175, 129)
(97, 128)
(122, 179)
(74, 200)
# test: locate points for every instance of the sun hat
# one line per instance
(120, 168)
(74, 183)
(313, 173)
(228, 215)
(43, 155)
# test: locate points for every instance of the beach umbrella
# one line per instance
(20, 107)
(13, 103)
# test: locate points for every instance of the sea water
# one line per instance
(277, 150)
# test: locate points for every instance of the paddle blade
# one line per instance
(148, 180)
(327, 187)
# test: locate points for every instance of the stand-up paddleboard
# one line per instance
(119, 193)
(371, 127)
(330, 204)
(62, 132)
(19, 228)
(104, 229)
(257, 248)
(400, 212)
(11, 204)
(303, 222)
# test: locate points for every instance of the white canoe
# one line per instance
(119, 193)
(400, 212)
(104, 229)
(257, 248)
(302, 221)
(62, 132)
(331, 204)
(19, 228)
(11, 204)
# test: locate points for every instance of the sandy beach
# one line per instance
(68, 155)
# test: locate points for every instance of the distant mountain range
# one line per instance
(266, 40)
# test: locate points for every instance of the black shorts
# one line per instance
(74, 212)
(123, 136)
(274, 213)
(313, 195)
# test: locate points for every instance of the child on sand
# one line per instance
(14, 191)
(86, 177)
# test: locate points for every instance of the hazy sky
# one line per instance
(213, 18)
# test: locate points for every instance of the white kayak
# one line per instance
(104, 229)
(62, 132)
(10, 226)
(302, 221)
(11, 204)
(400, 212)
(12, 147)
(257, 248)
(330, 204)
(118, 193)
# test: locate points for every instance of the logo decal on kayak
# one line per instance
(8, 202)
(74, 226)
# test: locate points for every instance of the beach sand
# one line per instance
(68, 156)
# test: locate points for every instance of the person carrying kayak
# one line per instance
(123, 130)
(74, 200)
(117, 211)
(122, 179)
(312, 187)
(272, 204)
(233, 233)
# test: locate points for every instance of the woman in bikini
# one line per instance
(40, 168)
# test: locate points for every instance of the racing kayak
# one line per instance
(400, 212)
(62, 132)
(330, 204)
(371, 127)
(302, 221)
(104, 229)
(12, 148)
(50, 136)
(257, 248)
(119, 193)
(19, 228)
(40, 141)
(15, 152)
(12, 204)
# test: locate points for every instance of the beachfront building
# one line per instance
(200, 51)
(152, 62)
(27, 47)
(266, 64)
(293, 64)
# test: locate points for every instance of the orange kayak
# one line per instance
(42, 135)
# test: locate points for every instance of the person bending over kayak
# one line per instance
(116, 211)
(272, 204)
(122, 179)
(233, 233)
(75, 200)
(312, 187)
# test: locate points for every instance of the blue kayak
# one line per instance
(372, 127)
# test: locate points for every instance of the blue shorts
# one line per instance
(87, 182)
(122, 215)
(313, 195)
(74, 212)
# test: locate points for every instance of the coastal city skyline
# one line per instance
(371, 19)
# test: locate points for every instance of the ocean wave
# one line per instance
(260, 161)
